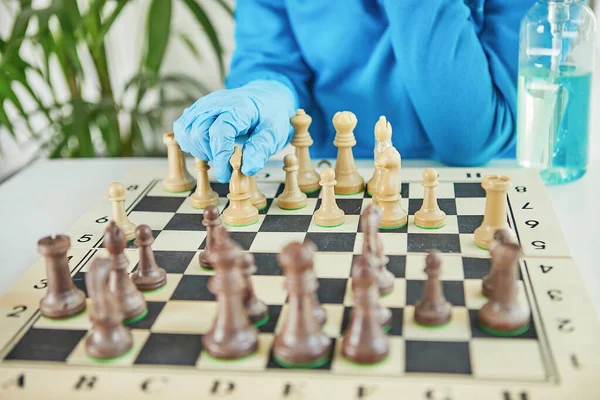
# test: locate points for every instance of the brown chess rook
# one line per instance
(212, 222)
(300, 340)
(231, 335)
(364, 340)
(203, 195)
(495, 216)
(433, 308)
(373, 246)
(62, 298)
(149, 275)
(348, 179)
(119, 283)
(370, 261)
(308, 179)
(503, 312)
(501, 236)
(108, 337)
(178, 178)
(256, 308)
(383, 140)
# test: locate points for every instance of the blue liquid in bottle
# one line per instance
(553, 122)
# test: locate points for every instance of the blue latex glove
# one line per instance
(257, 114)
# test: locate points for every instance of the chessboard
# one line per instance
(557, 358)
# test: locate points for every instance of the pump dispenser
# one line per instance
(556, 57)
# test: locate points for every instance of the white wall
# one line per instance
(124, 51)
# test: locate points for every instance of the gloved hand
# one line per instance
(257, 114)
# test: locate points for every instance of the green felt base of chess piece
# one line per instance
(261, 322)
(442, 325)
(495, 332)
(330, 226)
(387, 328)
(242, 225)
(152, 291)
(202, 208)
(310, 365)
(391, 228)
(312, 191)
(429, 228)
(110, 360)
(292, 209)
(136, 319)
(70, 318)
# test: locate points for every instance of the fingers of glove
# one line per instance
(261, 145)
(191, 133)
(222, 135)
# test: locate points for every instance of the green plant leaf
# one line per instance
(157, 36)
(225, 6)
(108, 23)
(208, 27)
(190, 44)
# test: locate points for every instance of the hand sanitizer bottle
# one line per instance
(556, 57)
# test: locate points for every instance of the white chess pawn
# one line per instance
(329, 214)
(292, 198)
(308, 179)
(116, 194)
(178, 178)
(204, 195)
(430, 216)
(348, 179)
(258, 199)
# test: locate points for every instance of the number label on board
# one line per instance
(532, 223)
(16, 311)
(42, 285)
(132, 187)
(521, 189)
(538, 244)
(555, 294)
(546, 268)
(565, 325)
(85, 238)
(102, 220)
(526, 206)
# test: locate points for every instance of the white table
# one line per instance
(49, 196)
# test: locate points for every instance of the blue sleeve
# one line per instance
(466, 61)
(266, 49)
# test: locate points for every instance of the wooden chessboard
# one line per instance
(556, 358)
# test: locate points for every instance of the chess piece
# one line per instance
(503, 314)
(257, 199)
(369, 261)
(329, 214)
(62, 298)
(364, 341)
(373, 246)
(149, 275)
(212, 222)
(348, 179)
(120, 284)
(494, 218)
(501, 236)
(108, 338)
(203, 195)
(383, 140)
(255, 308)
(231, 335)
(292, 198)
(178, 178)
(430, 216)
(388, 196)
(308, 179)
(433, 309)
(300, 343)
(116, 194)
(240, 211)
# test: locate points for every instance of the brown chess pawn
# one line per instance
(108, 337)
(503, 314)
(203, 195)
(383, 140)
(433, 308)
(300, 343)
(364, 341)
(119, 283)
(231, 335)
(257, 310)
(501, 236)
(212, 222)
(308, 179)
(178, 178)
(149, 275)
(369, 261)
(373, 246)
(62, 299)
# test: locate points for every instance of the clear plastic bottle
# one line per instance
(556, 60)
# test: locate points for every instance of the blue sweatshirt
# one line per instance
(443, 72)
